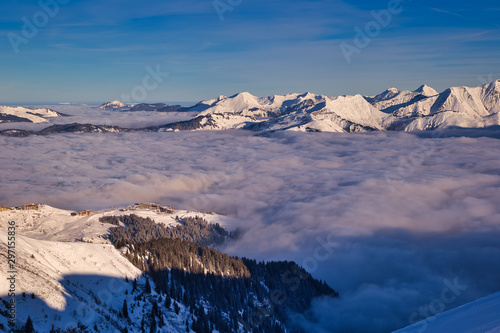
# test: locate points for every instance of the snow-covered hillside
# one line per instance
(482, 315)
(49, 223)
(68, 273)
(22, 114)
(421, 109)
(70, 283)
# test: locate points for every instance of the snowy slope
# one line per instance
(60, 275)
(75, 282)
(392, 98)
(482, 315)
(79, 281)
(21, 114)
(356, 110)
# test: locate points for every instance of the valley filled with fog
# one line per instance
(389, 219)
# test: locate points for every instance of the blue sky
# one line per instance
(95, 51)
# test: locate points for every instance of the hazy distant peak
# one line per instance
(113, 105)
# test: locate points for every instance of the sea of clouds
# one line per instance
(390, 220)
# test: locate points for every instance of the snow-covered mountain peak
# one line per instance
(426, 90)
(112, 105)
(493, 86)
(242, 103)
(244, 97)
(356, 110)
(274, 100)
(385, 95)
(308, 95)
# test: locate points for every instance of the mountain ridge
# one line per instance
(391, 110)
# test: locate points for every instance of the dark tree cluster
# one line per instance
(255, 296)
(80, 328)
(139, 229)
(296, 286)
(198, 230)
(114, 220)
(174, 253)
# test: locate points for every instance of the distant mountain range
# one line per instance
(422, 109)
(157, 107)
(391, 110)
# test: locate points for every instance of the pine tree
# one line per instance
(155, 308)
(28, 327)
(147, 287)
(176, 308)
(161, 321)
(143, 323)
(125, 309)
(152, 328)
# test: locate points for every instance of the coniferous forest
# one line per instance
(223, 293)
(139, 229)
